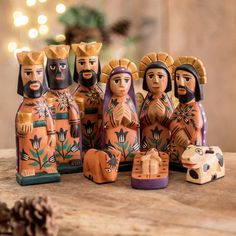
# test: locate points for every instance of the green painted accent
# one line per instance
(62, 116)
(91, 110)
(41, 178)
(39, 123)
(66, 168)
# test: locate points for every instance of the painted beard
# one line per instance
(60, 81)
(186, 97)
(87, 82)
(33, 93)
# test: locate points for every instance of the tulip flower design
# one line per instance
(90, 135)
(155, 140)
(62, 135)
(144, 143)
(113, 104)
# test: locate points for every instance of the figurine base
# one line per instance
(158, 181)
(41, 178)
(125, 166)
(177, 167)
(66, 168)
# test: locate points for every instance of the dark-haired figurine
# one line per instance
(88, 93)
(155, 69)
(188, 121)
(35, 130)
(67, 117)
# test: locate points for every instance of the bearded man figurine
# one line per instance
(35, 130)
(65, 109)
(188, 121)
(88, 94)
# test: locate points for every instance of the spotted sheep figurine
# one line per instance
(101, 166)
(151, 162)
(204, 164)
(188, 121)
(157, 108)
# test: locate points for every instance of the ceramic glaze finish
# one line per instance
(155, 69)
(64, 109)
(101, 166)
(88, 93)
(120, 119)
(204, 164)
(188, 121)
(35, 129)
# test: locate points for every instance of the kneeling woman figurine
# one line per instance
(120, 119)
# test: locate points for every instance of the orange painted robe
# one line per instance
(33, 151)
(66, 112)
(91, 122)
(191, 119)
(124, 138)
(155, 134)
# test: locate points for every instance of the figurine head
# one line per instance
(155, 69)
(57, 68)
(87, 68)
(31, 80)
(189, 73)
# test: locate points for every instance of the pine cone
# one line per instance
(121, 27)
(4, 219)
(34, 216)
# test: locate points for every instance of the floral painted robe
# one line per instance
(124, 139)
(66, 112)
(190, 118)
(33, 151)
(91, 122)
(155, 135)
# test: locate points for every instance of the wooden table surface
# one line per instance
(117, 209)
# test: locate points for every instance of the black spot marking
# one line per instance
(206, 167)
(193, 174)
(210, 151)
(213, 177)
(220, 159)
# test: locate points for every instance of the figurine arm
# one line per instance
(50, 126)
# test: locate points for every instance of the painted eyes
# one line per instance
(39, 72)
(63, 66)
(92, 62)
(52, 67)
(126, 81)
(28, 73)
(116, 81)
(199, 151)
(81, 63)
(151, 76)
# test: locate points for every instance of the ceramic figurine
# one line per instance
(65, 110)
(188, 121)
(150, 170)
(120, 119)
(204, 164)
(35, 129)
(101, 166)
(88, 93)
(155, 69)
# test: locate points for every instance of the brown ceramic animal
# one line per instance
(101, 166)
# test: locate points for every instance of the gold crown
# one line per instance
(30, 58)
(86, 49)
(57, 51)
(155, 57)
(195, 62)
(123, 62)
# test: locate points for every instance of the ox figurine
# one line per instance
(101, 166)
(204, 164)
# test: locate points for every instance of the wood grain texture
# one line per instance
(117, 209)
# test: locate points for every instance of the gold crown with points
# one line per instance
(86, 49)
(30, 58)
(155, 57)
(123, 62)
(57, 51)
(195, 62)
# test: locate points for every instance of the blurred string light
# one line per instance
(42, 1)
(43, 29)
(60, 8)
(30, 3)
(33, 33)
(20, 19)
(60, 37)
(42, 19)
(12, 46)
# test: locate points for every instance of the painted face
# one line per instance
(32, 78)
(120, 84)
(58, 73)
(156, 79)
(186, 83)
(87, 65)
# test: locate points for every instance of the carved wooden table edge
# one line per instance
(116, 209)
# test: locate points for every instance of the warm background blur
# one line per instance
(202, 28)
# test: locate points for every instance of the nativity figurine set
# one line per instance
(59, 131)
